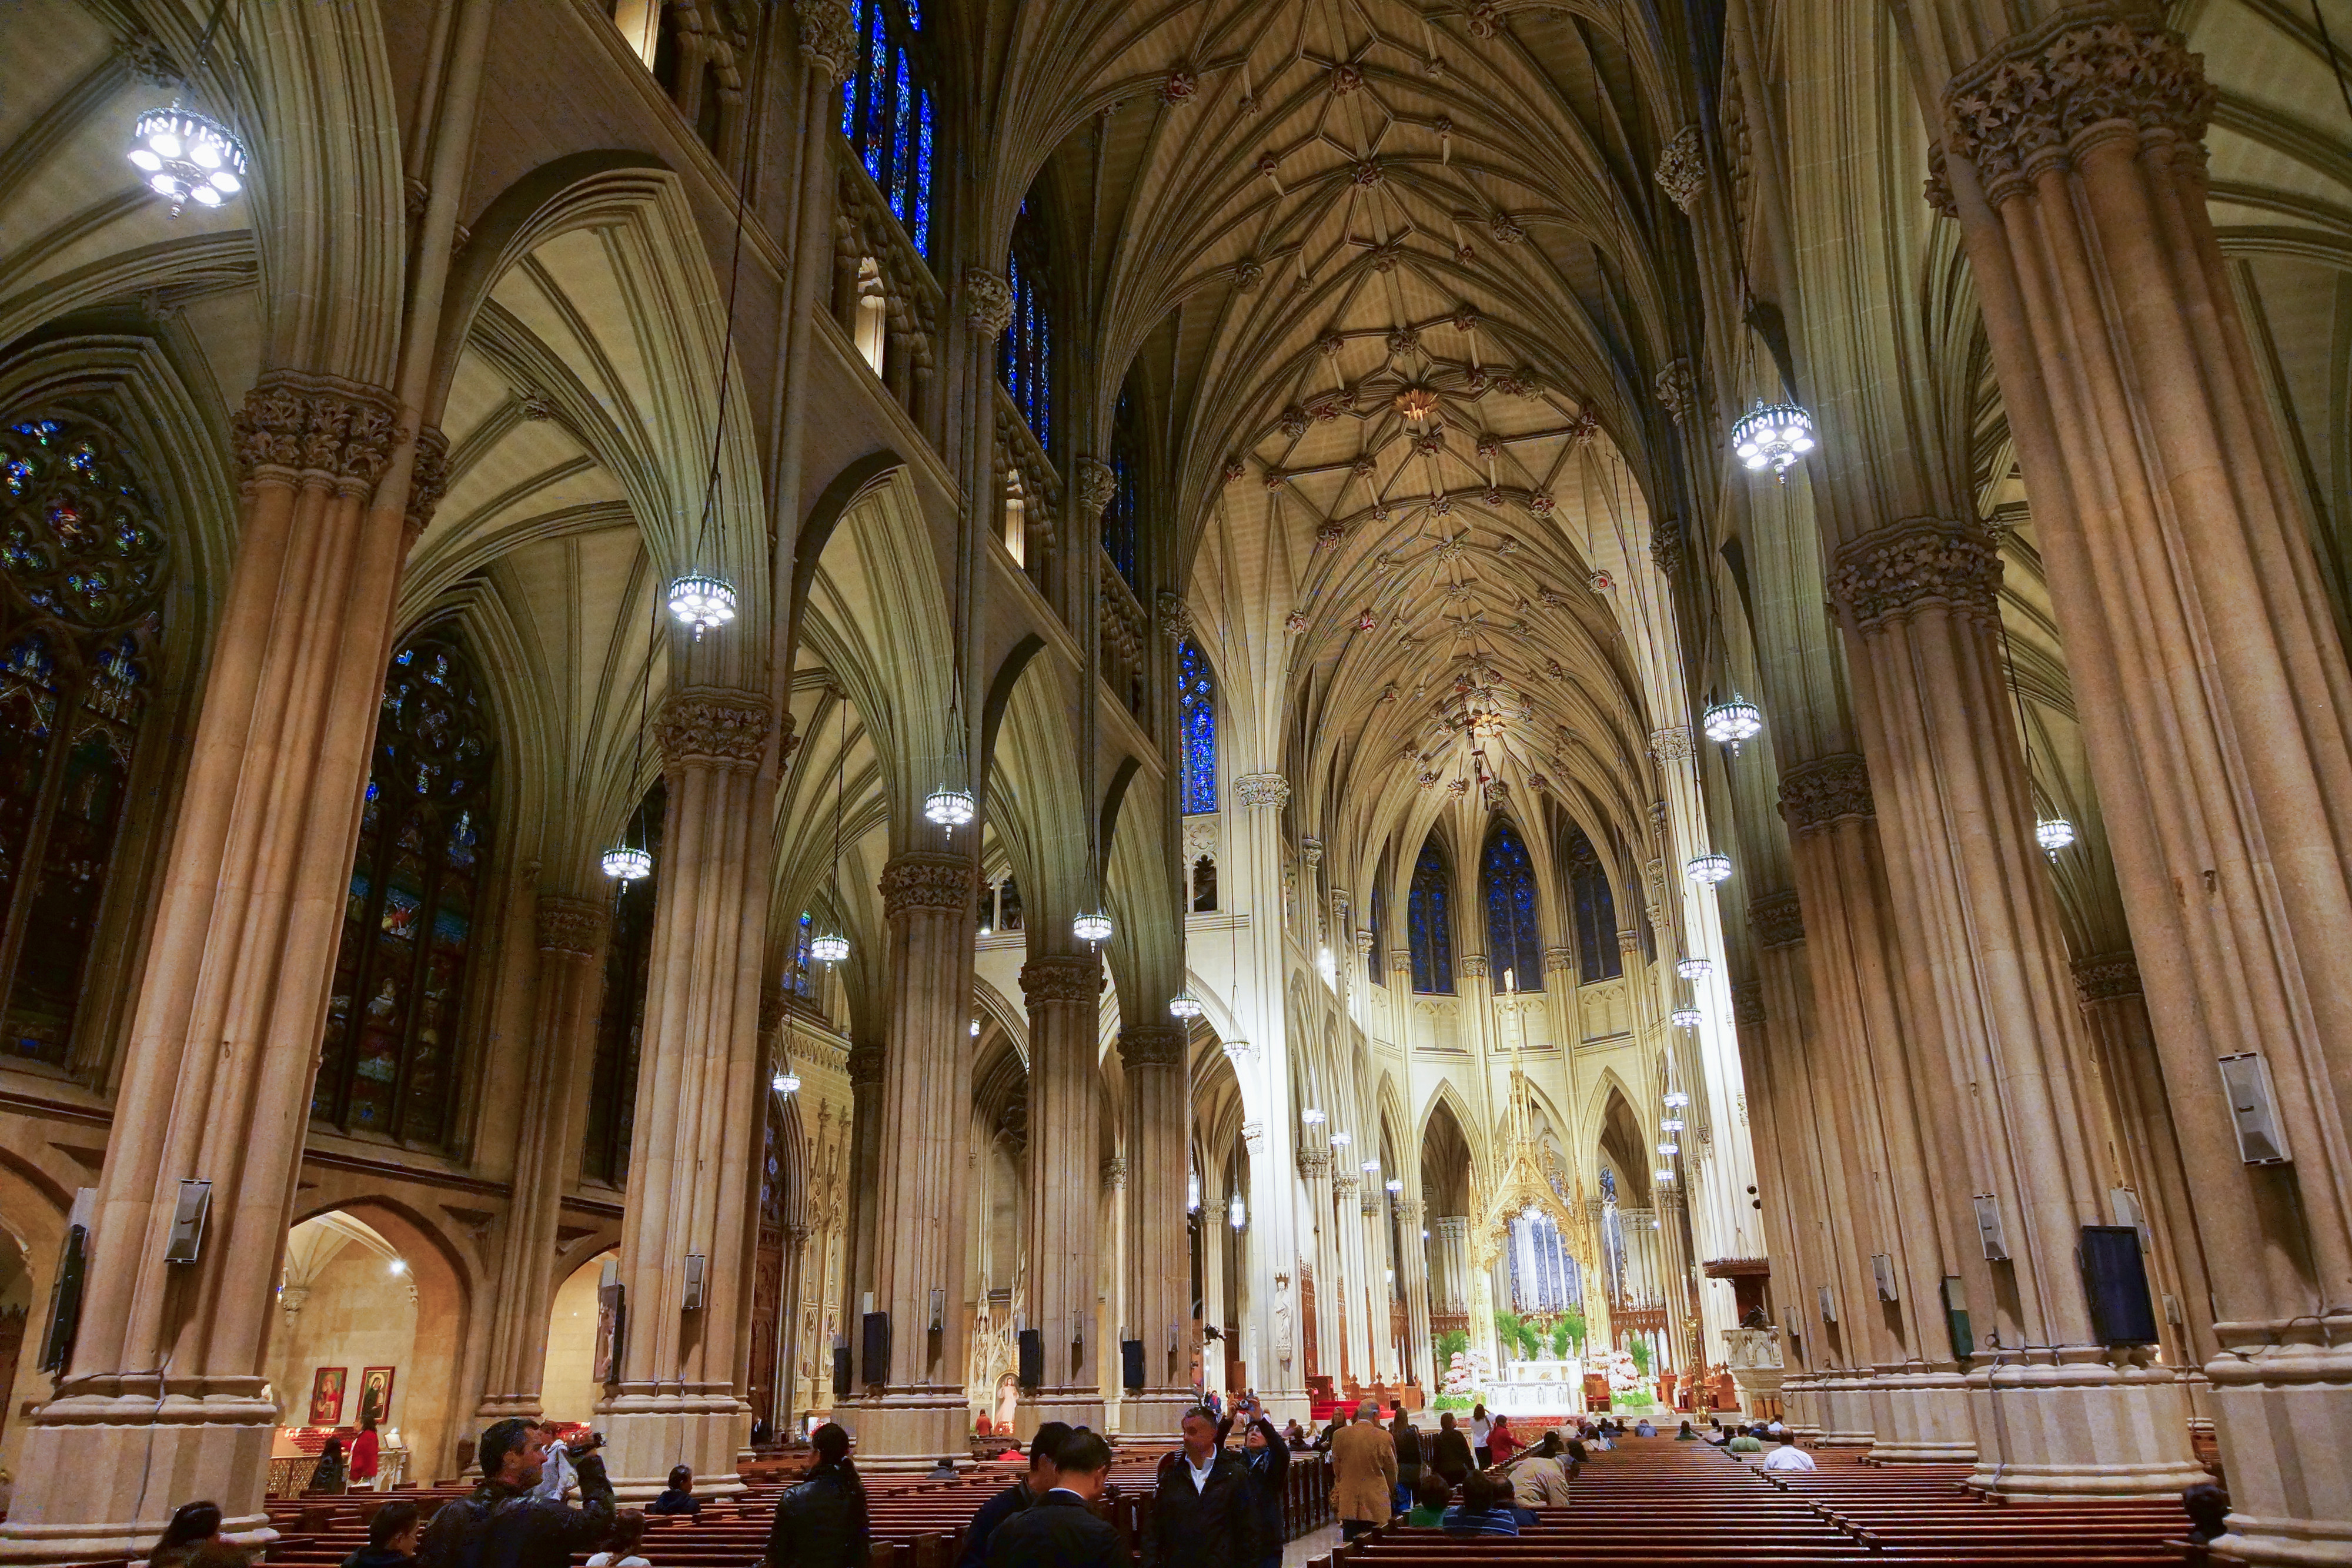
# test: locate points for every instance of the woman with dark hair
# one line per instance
(1268, 1458)
(1450, 1456)
(679, 1498)
(193, 1525)
(821, 1524)
(365, 1454)
(329, 1476)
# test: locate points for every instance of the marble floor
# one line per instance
(1313, 1544)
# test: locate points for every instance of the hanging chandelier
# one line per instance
(1665, 1175)
(829, 948)
(950, 809)
(1395, 1186)
(1311, 1117)
(1237, 1214)
(1191, 1192)
(1686, 1017)
(1093, 929)
(1772, 436)
(1340, 1140)
(1184, 1005)
(2053, 833)
(1670, 1124)
(1675, 1100)
(702, 602)
(786, 1080)
(627, 863)
(1670, 1148)
(187, 157)
(1730, 723)
(1236, 1051)
(1693, 968)
(1709, 869)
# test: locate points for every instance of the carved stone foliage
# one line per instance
(715, 726)
(573, 926)
(987, 302)
(1151, 1044)
(1314, 1164)
(1672, 744)
(1175, 616)
(1096, 485)
(2088, 73)
(864, 1065)
(1667, 547)
(1262, 790)
(1677, 390)
(1746, 1003)
(1893, 572)
(827, 41)
(2107, 977)
(1775, 920)
(1062, 977)
(1825, 790)
(1681, 168)
(298, 426)
(1473, 964)
(927, 881)
(427, 480)
(1558, 960)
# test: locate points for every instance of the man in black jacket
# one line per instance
(1061, 1531)
(1205, 1512)
(501, 1525)
(1045, 1474)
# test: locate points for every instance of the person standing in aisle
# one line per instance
(1045, 1475)
(1408, 1452)
(1061, 1530)
(1481, 1428)
(1363, 1472)
(1204, 1508)
(1268, 1458)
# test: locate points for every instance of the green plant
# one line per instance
(1515, 1335)
(1568, 1334)
(1456, 1401)
(1449, 1343)
(1640, 1351)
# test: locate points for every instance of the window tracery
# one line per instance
(887, 111)
(1025, 359)
(1596, 957)
(1514, 945)
(1430, 924)
(84, 562)
(387, 1065)
(1196, 722)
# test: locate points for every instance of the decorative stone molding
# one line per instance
(1681, 168)
(428, 480)
(1497, 795)
(1370, 1204)
(1746, 1003)
(1677, 390)
(572, 925)
(1096, 485)
(1310, 850)
(1202, 836)
(1473, 964)
(828, 42)
(1400, 960)
(1114, 1174)
(1629, 940)
(295, 427)
(987, 302)
(2107, 977)
(863, 1065)
(1363, 942)
(2090, 73)
(1558, 960)
(1345, 1182)
(927, 881)
(1314, 1164)
(1776, 920)
(142, 54)
(713, 725)
(1262, 790)
(1658, 818)
(1827, 789)
(1409, 1213)
(1939, 188)
(1893, 572)
(1254, 1138)
(1672, 744)
(1062, 977)
(1151, 1045)
(1667, 547)
(773, 1009)
(1175, 616)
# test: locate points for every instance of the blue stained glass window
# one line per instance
(1430, 925)
(1196, 721)
(800, 980)
(886, 111)
(1514, 942)
(1596, 957)
(1024, 357)
(1122, 520)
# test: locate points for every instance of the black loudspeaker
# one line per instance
(2115, 1278)
(1131, 1365)
(875, 1360)
(842, 1389)
(1033, 1357)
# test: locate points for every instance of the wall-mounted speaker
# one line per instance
(2114, 1278)
(842, 1387)
(1031, 1370)
(1131, 1365)
(874, 1357)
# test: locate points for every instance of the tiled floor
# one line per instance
(1314, 1543)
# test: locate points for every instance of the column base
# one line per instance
(1155, 1412)
(647, 1433)
(911, 1429)
(98, 1475)
(2283, 1418)
(1801, 1404)
(1921, 1418)
(1845, 1410)
(1072, 1406)
(2081, 1427)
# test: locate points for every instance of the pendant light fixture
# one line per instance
(829, 946)
(1730, 722)
(185, 156)
(1772, 435)
(702, 599)
(1693, 968)
(626, 862)
(1709, 869)
(786, 1082)
(1686, 1017)
(2053, 833)
(1092, 925)
(1184, 1005)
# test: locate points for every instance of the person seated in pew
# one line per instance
(1484, 1510)
(1687, 1435)
(393, 1535)
(1643, 1428)
(2208, 1508)
(1787, 1455)
(679, 1498)
(194, 1524)
(1538, 1478)
(1749, 1441)
(628, 1534)
(1430, 1495)
(822, 1522)
(1061, 1530)
(1021, 1495)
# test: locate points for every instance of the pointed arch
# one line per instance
(1429, 919)
(1506, 886)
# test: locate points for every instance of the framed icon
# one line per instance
(327, 1396)
(376, 1393)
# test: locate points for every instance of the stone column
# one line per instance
(1999, 1051)
(1064, 994)
(1414, 1267)
(2213, 688)
(699, 1102)
(866, 1059)
(919, 1417)
(1787, 1142)
(1315, 1170)
(1275, 1344)
(1379, 1279)
(162, 1400)
(571, 933)
(1343, 1249)
(1159, 1275)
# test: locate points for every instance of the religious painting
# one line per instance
(376, 1393)
(327, 1396)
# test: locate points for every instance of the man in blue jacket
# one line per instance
(1045, 1474)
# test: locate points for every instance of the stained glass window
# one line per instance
(801, 977)
(621, 1016)
(1024, 357)
(1596, 957)
(1122, 520)
(887, 109)
(1431, 925)
(1379, 919)
(84, 566)
(1196, 722)
(1513, 941)
(389, 1062)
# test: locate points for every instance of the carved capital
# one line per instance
(1408, 1211)
(1825, 790)
(1254, 1138)
(1151, 1045)
(828, 42)
(863, 1064)
(1681, 168)
(572, 925)
(927, 880)
(1629, 940)
(713, 725)
(1175, 616)
(2089, 73)
(297, 427)
(1114, 1174)
(1672, 744)
(1776, 920)
(426, 480)
(1074, 977)
(772, 1009)
(1892, 573)
(1473, 964)
(1346, 1182)
(1558, 960)
(1310, 850)
(1677, 390)
(1746, 1003)
(1262, 790)
(2107, 977)
(987, 301)
(1667, 547)
(1096, 485)
(1314, 1164)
